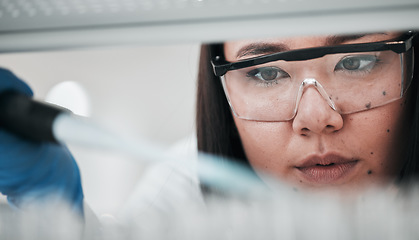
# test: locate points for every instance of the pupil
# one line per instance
(269, 74)
(351, 64)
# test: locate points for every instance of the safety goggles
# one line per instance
(351, 78)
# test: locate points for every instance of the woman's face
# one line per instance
(320, 148)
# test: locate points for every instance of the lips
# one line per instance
(326, 169)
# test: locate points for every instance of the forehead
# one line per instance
(241, 49)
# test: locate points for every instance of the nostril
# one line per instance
(331, 128)
(304, 131)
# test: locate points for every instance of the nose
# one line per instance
(315, 114)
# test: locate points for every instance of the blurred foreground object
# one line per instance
(286, 215)
(30, 25)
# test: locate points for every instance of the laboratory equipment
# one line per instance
(28, 25)
(38, 121)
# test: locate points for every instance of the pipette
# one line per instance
(38, 121)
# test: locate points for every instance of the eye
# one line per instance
(356, 63)
(268, 73)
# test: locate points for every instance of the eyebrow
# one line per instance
(262, 48)
(339, 39)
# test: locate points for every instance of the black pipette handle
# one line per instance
(25, 117)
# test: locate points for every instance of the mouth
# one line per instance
(327, 169)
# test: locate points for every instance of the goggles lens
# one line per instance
(352, 81)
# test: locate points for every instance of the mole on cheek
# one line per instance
(372, 153)
(369, 172)
(388, 130)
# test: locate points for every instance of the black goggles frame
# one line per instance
(221, 66)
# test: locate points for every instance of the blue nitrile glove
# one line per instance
(32, 172)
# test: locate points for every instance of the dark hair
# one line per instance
(217, 133)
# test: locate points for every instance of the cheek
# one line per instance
(265, 144)
(393, 138)
(383, 130)
(378, 137)
(376, 144)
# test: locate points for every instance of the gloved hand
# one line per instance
(33, 172)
